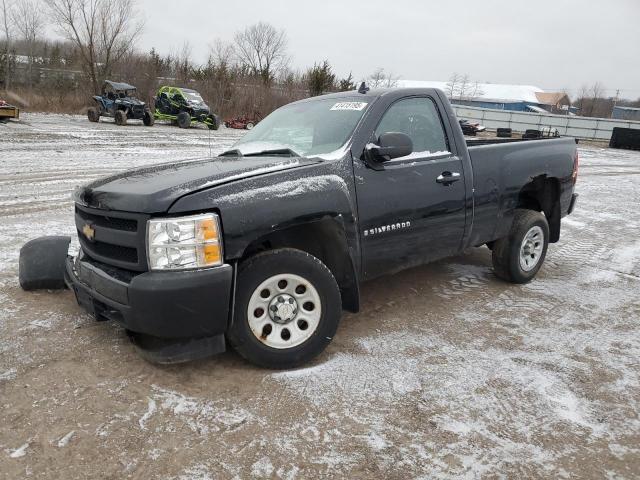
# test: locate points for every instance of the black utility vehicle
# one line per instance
(118, 100)
(264, 246)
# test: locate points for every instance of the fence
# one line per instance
(572, 126)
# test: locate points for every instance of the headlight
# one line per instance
(184, 242)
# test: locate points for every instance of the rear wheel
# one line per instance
(518, 257)
(121, 117)
(249, 126)
(184, 120)
(287, 309)
(148, 118)
(214, 122)
(93, 114)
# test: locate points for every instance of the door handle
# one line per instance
(447, 178)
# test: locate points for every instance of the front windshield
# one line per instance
(309, 128)
(193, 96)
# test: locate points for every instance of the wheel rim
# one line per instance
(249, 126)
(284, 311)
(531, 248)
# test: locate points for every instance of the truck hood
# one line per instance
(154, 189)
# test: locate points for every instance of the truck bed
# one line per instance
(501, 167)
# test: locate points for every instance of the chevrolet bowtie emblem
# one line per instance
(89, 232)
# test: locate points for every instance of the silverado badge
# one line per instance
(89, 232)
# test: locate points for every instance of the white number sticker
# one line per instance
(349, 106)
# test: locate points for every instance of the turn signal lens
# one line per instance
(211, 254)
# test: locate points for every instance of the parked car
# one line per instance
(244, 122)
(8, 111)
(184, 107)
(471, 128)
(263, 247)
(118, 101)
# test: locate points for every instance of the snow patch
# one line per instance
(151, 409)
(64, 441)
(20, 451)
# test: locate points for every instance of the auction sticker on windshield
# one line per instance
(349, 106)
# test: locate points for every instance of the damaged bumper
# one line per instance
(188, 309)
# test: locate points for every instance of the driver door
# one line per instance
(408, 216)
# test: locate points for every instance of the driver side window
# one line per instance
(418, 118)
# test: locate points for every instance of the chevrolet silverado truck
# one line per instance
(264, 246)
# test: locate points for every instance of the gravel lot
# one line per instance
(446, 373)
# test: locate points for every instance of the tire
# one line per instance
(93, 114)
(531, 134)
(518, 257)
(148, 118)
(281, 342)
(184, 120)
(249, 126)
(215, 122)
(504, 132)
(120, 117)
(42, 263)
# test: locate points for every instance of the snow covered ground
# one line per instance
(446, 373)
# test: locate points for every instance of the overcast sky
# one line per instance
(553, 44)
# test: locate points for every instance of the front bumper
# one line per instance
(167, 305)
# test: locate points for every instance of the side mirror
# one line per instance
(391, 145)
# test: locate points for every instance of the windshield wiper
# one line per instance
(283, 152)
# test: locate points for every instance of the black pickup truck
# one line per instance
(265, 245)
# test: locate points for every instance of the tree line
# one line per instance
(250, 74)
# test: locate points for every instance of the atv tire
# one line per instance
(249, 126)
(93, 115)
(148, 119)
(184, 120)
(42, 263)
(120, 117)
(214, 122)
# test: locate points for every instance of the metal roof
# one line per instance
(120, 86)
(485, 91)
(631, 109)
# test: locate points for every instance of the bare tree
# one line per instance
(221, 53)
(580, 100)
(595, 92)
(262, 49)
(475, 91)
(7, 30)
(29, 21)
(380, 79)
(182, 63)
(104, 31)
(452, 85)
(463, 86)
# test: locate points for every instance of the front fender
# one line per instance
(252, 208)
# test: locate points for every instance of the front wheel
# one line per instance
(287, 309)
(120, 117)
(184, 120)
(518, 257)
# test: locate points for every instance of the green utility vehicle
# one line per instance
(184, 107)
